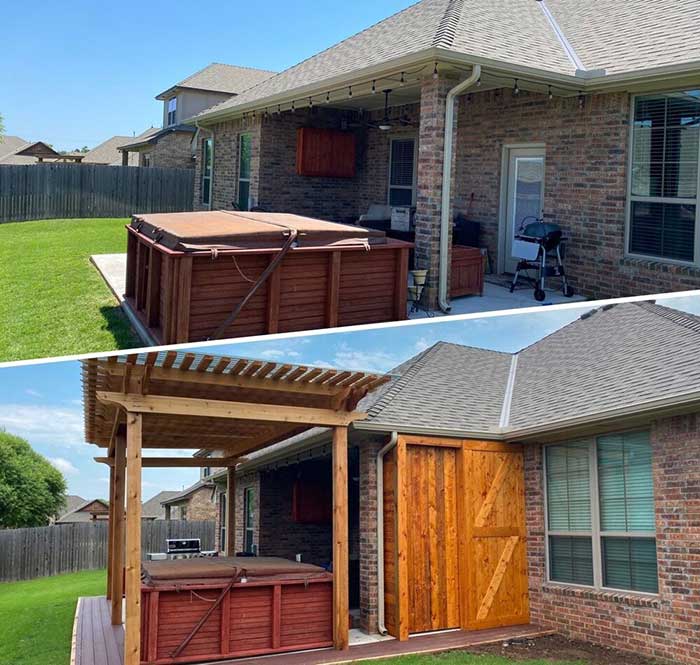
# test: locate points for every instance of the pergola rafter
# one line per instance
(231, 405)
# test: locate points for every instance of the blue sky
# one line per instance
(42, 402)
(76, 72)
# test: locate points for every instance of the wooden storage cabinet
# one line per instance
(467, 273)
(326, 153)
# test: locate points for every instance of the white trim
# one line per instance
(239, 180)
(508, 397)
(629, 197)
(566, 45)
(595, 534)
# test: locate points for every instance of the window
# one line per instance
(402, 172)
(249, 519)
(600, 513)
(663, 215)
(222, 522)
(206, 471)
(172, 111)
(207, 167)
(244, 152)
(146, 159)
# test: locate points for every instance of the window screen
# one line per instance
(244, 161)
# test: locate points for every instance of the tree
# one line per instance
(31, 490)
(2, 127)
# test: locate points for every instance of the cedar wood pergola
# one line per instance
(170, 400)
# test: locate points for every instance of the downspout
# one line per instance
(380, 531)
(447, 183)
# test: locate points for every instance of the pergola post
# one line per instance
(117, 559)
(132, 632)
(110, 533)
(341, 562)
(231, 512)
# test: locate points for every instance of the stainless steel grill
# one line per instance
(181, 548)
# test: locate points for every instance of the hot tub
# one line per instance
(189, 273)
(244, 606)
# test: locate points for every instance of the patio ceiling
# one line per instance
(218, 403)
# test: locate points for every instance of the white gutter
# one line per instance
(380, 531)
(447, 183)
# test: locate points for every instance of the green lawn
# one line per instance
(52, 300)
(36, 617)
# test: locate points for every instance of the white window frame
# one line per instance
(595, 533)
(657, 199)
(209, 177)
(223, 535)
(247, 492)
(171, 108)
(240, 180)
(414, 186)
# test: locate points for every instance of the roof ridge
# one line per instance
(447, 28)
(561, 36)
(253, 69)
(677, 316)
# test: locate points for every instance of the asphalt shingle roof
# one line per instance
(619, 37)
(218, 77)
(624, 356)
(9, 146)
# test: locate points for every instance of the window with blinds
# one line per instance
(207, 166)
(244, 159)
(402, 172)
(600, 513)
(664, 176)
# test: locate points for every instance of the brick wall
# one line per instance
(368, 535)
(665, 626)
(173, 151)
(201, 505)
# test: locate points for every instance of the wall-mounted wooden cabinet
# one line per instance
(326, 153)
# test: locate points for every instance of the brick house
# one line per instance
(585, 114)
(577, 490)
(171, 145)
(196, 502)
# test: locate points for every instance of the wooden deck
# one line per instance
(97, 642)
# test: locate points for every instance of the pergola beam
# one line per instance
(180, 462)
(117, 558)
(186, 406)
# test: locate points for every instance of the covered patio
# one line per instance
(233, 407)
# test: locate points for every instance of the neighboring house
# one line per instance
(108, 152)
(88, 511)
(73, 501)
(153, 509)
(10, 146)
(197, 502)
(570, 470)
(586, 114)
(171, 146)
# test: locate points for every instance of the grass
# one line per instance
(53, 300)
(36, 617)
(461, 658)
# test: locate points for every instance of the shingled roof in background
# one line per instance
(218, 77)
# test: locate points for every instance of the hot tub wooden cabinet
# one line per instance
(187, 272)
(283, 607)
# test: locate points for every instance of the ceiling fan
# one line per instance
(386, 123)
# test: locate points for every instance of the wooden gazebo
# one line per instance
(171, 400)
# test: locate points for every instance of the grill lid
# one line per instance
(198, 231)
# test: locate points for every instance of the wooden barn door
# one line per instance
(494, 566)
(432, 561)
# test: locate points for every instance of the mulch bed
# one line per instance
(557, 648)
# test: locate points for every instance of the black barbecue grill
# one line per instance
(543, 252)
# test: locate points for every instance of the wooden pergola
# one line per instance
(233, 406)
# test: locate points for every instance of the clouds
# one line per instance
(32, 393)
(49, 425)
(64, 466)
(358, 358)
(276, 354)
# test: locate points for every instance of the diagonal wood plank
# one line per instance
(497, 578)
(491, 496)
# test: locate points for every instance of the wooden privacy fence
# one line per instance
(57, 191)
(69, 548)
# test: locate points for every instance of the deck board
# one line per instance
(97, 642)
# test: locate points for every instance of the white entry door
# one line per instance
(524, 196)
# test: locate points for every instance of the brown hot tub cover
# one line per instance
(207, 570)
(197, 231)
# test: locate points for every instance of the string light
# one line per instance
(478, 83)
(549, 93)
(403, 79)
(279, 109)
(349, 91)
(311, 103)
(374, 87)
(581, 99)
(435, 71)
(516, 88)
(328, 98)
(293, 107)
